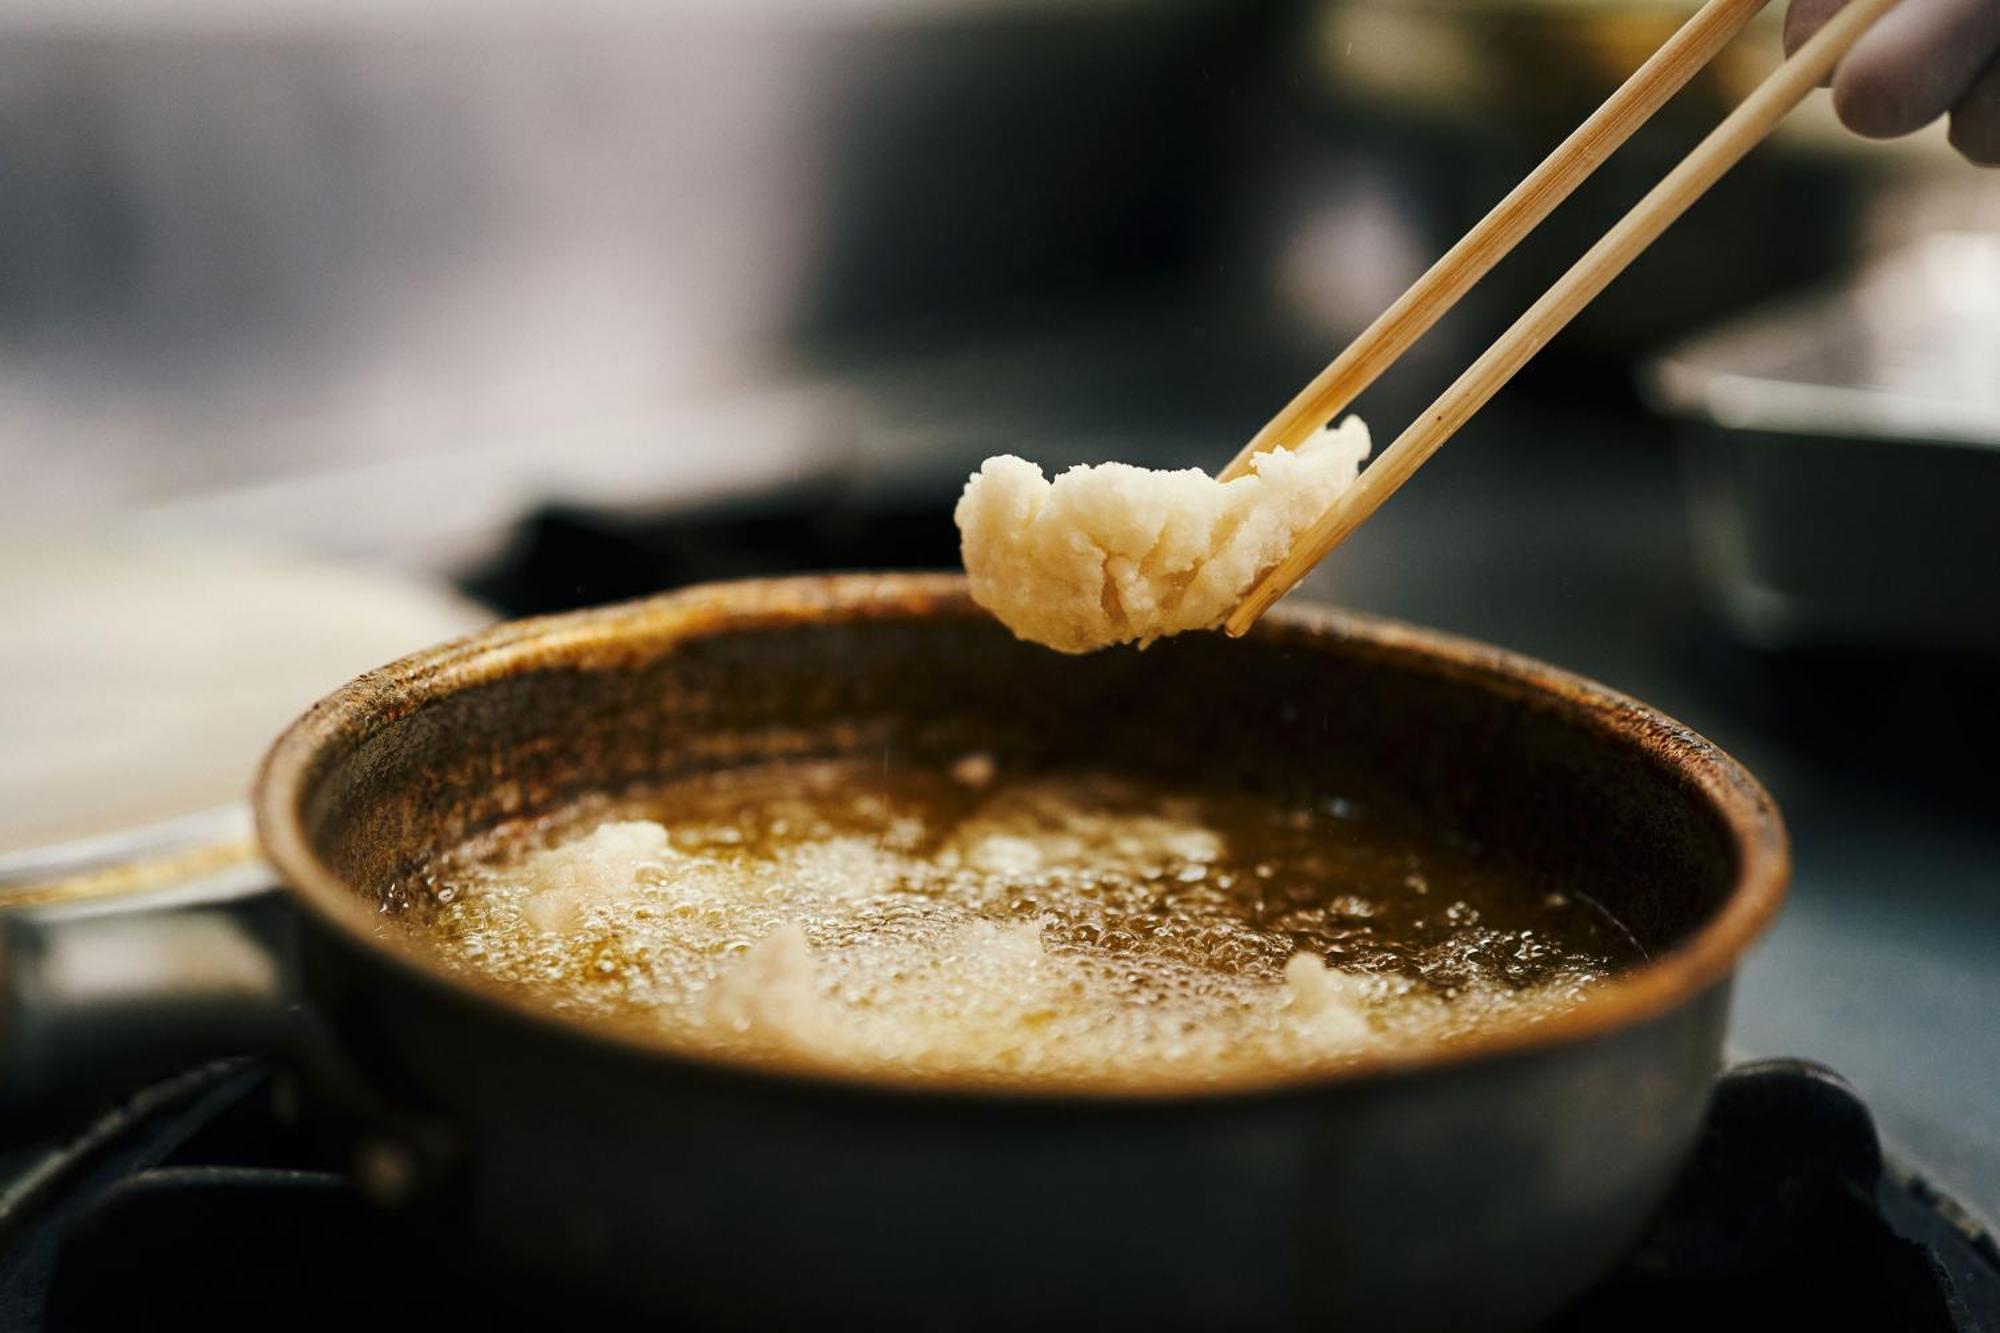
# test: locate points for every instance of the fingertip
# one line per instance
(1867, 110)
(1920, 60)
(1869, 97)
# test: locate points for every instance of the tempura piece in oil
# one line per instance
(565, 883)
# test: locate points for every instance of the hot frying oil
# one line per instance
(971, 921)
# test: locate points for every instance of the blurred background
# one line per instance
(330, 330)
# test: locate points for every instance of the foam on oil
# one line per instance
(972, 921)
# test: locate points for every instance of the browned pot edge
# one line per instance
(634, 633)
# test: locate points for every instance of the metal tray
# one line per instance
(1843, 456)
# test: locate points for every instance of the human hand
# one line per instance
(1922, 59)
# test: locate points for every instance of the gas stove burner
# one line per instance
(563, 557)
(198, 1206)
(1790, 1217)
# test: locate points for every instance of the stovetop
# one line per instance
(1552, 527)
(201, 1203)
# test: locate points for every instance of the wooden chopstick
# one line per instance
(1744, 128)
(1665, 73)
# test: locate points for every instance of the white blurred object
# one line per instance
(445, 510)
(240, 242)
(1910, 350)
(262, 252)
(140, 682)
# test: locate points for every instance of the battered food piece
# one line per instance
(772, 994)
(1329, 1000)
(564, 883)
(1121, 554)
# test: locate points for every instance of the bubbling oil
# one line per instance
(973, 922)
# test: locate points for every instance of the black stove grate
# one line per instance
(198, 1206)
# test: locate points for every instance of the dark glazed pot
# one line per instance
(1475, 1188)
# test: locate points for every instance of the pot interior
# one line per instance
(1577, 789)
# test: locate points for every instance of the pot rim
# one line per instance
(633, 633)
